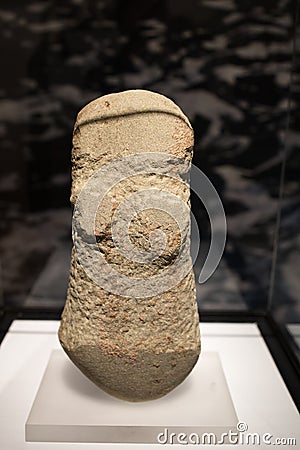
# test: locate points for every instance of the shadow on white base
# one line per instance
(70, 408)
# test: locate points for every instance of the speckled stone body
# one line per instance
(136, 349)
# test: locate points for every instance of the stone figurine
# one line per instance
(130, 322)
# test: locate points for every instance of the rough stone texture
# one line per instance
(134, 348)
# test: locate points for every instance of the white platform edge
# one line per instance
(206, 329)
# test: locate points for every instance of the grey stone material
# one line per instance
(134, 348)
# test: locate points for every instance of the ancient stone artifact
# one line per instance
(130, 322)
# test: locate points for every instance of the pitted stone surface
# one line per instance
(134, 348)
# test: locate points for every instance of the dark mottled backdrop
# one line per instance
(227, 63)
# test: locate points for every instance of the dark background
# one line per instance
(231, 65)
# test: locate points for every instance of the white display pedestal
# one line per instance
(70, 408)
(260, 397)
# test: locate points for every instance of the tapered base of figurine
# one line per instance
(140, 378)
(81, 412)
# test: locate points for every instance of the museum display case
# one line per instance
(233, 68)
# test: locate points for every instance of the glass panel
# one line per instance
(286, 287)
(227, 65)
